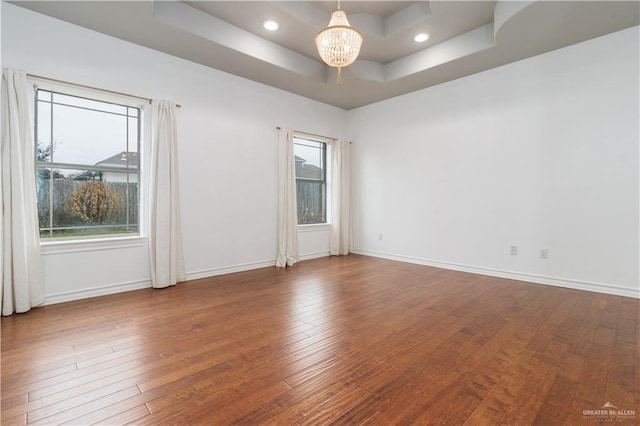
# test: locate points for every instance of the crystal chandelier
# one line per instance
(339, 43)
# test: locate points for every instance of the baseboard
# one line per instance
(519, 276)
(316, 255)
(537, 279)
(86, 293)
(206, 273)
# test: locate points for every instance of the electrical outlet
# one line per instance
(513, 250)
(380, 236)
(544, 253)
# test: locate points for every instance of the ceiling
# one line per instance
(466, 37)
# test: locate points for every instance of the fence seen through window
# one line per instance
(87, 166)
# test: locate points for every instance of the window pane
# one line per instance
(89, 103)
(311, 202)
(82, 136)
(44, 148)
(132, 143)
(44, 95)
(44, 199)
(87, 202)
(124, 160)
(310, 157)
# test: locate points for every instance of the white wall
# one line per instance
(542, 154)
(227, 153)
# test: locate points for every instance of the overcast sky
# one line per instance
(82, 136)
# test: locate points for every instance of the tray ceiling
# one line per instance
(466, 37)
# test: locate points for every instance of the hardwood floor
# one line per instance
(340, 340)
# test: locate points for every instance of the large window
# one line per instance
(87, 165)
(311, 182)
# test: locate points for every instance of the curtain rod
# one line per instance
(310, 134)
(84, 86)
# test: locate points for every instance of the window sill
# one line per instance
(91, 244)
(315, 227)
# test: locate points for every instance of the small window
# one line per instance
(311, 182)
(87, 166)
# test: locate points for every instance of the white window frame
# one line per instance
(312, 227)
(107, 241)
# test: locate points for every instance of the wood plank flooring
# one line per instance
(340, 340)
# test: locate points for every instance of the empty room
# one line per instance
(320, 212)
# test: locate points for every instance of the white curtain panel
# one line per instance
(165, 234)
(22, 279)
(341, 239)
(287, 205)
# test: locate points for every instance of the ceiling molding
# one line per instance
(407, 18)
(505, 10)
(458, 47)
(186, 18)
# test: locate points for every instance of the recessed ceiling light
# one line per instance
(419, 38)
(270, 25)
